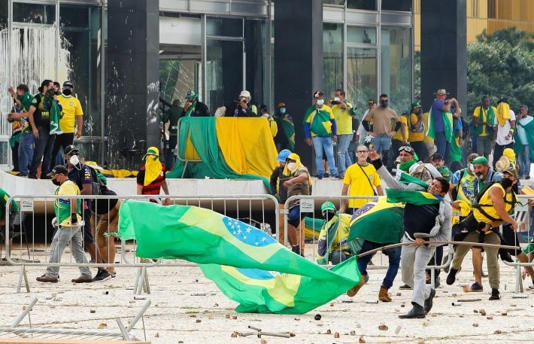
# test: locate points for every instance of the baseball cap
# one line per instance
(327, 206)
(245, 94)
(416, 105)
(57, 170)
(441, 92)
(71, 149)
(152, 151)
(318, 94)
(282, 156)
(481, 160)
(67, 85)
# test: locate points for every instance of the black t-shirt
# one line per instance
(41, 116)
(419, 218)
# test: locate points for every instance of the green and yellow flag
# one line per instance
(412, 197)
(247, 264)
(447, 126)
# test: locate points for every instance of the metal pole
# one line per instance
(103, 31)
(58, 40)
(138, 316)
(24, 313)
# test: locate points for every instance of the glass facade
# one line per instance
(216, 54)
(367, 56)
(332, 57)
(396, 70)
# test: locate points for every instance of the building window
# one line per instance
(397, 5)
(362, 4)
(334, 2)
(360, 34)
(361, 76)
(396, 70)
(37, 14)
(332, 57)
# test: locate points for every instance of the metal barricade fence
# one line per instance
(310, 211)
(523, 236)
(31, 227)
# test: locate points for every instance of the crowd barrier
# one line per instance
(310, 205)
(32, 228)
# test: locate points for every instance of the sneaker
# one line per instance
(82, 279)
(102, 275)
(405, 287)
(476, 287)
(46, 278)
(495, 295)
(451, 277)
(320, 176)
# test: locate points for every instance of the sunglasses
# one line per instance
(362, 151)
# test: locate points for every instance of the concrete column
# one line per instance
(132, 80)
(443, 50)
(298, 56)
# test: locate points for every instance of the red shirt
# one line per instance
(154, 187)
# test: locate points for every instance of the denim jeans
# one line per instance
(524, 162)
(43, 150)
(26, 146)
(393, 254)
(61, 239)
(344, 159)
(382, 145)
(320, 143)
(442, 145)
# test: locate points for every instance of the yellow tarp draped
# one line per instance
(247, 145)
(190, 151)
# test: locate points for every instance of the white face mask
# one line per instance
(320, 102)
(74, 160)
(291, 166)
(471, 168)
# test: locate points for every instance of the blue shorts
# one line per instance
(294, 217)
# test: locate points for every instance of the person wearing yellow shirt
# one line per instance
(344, 114)
(493, 208)
(400, 138)
(416, 131)
(484, 117)
(71, 122)
(361, 179)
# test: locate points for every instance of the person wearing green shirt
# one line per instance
(13, 210)
(24, 99)
(68, 222)
(320, 131)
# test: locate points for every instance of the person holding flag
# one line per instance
(285, 137)
(332, 244)
(427, 217)
(440, 124)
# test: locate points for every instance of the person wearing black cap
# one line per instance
(68, 221)
(87, 181)
(71, 122)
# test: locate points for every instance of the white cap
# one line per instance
(245, 94)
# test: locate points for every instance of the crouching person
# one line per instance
(68, 228)
(332, 243)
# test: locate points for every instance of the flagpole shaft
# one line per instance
(461, 243)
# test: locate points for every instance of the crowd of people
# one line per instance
(470, 169)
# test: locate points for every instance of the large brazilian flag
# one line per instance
(247, 264)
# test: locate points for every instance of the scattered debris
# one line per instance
(397, 329)
(102, 326)
(234, 317)
(504, 314)
(336, 335)
(362, 340)
(234, 334)
(317, 316)
(497, 332)
(475, 324)
(382, 327)
(399, 294)
(489, 317)
(92, 311)
(156, 335)
(352, 333)
(328, 331)
(482, 312)
(198, 320)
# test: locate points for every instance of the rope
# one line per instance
(462, 243)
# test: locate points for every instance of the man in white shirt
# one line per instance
(524, 123)
(504, 135)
